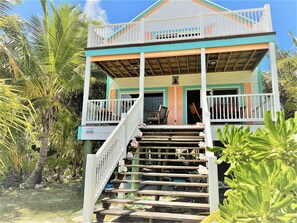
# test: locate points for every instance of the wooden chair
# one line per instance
(194, 112)
(159, 116)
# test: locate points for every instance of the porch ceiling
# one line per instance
(188, 64)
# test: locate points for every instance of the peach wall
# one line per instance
(171, 105)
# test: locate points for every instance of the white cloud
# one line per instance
(94, 10)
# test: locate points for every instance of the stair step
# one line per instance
(172, 128)
(175, 204)
(164, 183)
(173, 137)
(161, 153)
(173, 141)
(164, 167)
(170, 147)
(173, 160)
(154, 215)
(160, 192)
(159, 133)
(165, 174)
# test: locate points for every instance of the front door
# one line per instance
(192, 96)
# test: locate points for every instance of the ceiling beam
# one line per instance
(159, 66)
(226, 65)
(249, 60)
(219, 56)
(177, 64)
(102, 66)
(169, 66)
(137, 73)
(149, 66)
(237, 61)
(123, 67)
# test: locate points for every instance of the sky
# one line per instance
(284, 12)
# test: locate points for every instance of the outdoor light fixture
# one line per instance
(212, 62)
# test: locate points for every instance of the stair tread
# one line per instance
(170, 147)
(154, 215)
(172, 133)
(163, 167)
(167, 183)
(172, 137)
(158, 203)
(160, 192)
(172, 141)
(172, 160)
(164, 153)
(166, 174)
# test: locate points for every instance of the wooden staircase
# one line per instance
(162, 183)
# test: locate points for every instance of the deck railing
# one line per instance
(107, 111)
(240, 108)
(193, 27)
(101, 165)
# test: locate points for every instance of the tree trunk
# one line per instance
(36, 176)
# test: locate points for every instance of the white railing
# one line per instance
(213, 189)
(101, 165)
(241, 107)
(201, 26)
(107, 111)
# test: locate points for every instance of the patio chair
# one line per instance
(196, 115)
(159, 116)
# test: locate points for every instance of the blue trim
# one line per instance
(79, 133)
(181, 46)
(198, 87)
(108, 82)
(259, 74)
(164, 89)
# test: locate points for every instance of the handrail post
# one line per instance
(213, 183)
(203, 83)
(89, 191)
(268, 17)
(142, 30)
(86, 90)
(90, 35)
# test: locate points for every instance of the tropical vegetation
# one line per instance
(262, 174)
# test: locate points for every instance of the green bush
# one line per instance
(262, 174)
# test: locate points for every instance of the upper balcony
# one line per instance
(219, 24)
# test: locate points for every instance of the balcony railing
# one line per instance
(107, 111)
(193, 27)
(240, 108)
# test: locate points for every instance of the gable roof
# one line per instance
(160, 3)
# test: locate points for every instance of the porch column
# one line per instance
(203, 83)
(86, 90)
(141, 79)
(274, 76)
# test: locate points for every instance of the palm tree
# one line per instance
(287, 75)
(55, 69)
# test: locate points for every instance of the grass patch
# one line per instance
(55, 203)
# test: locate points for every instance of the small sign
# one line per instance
(175, 80)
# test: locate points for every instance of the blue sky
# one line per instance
(284, 12)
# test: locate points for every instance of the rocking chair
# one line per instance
(196, 115)
(159, 116)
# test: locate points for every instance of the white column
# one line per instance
(141, 80)
(213, 189)
(274, 76)
(86, 90)
(203, 83)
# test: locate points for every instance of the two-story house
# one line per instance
(196, 59)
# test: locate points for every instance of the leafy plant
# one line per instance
(264, 192)
(277, 140)
(235, 150)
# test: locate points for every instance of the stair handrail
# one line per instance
(101, 165)
(212, 166)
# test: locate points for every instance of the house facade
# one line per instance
(176, 53)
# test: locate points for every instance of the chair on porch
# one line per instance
(196, 115)
(159, 116)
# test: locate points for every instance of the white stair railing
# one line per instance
(213, 189)
(101, 165)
